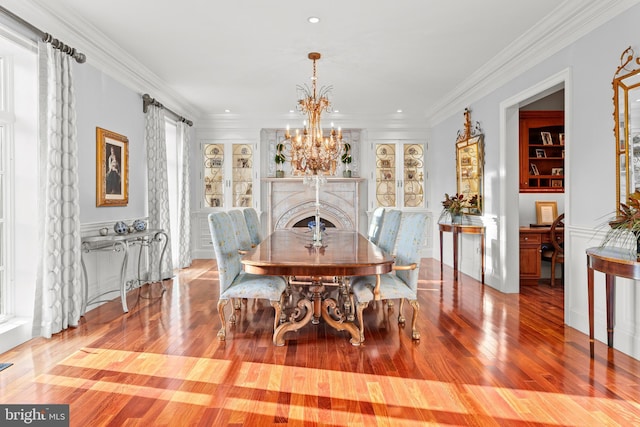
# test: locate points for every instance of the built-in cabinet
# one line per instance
(227, 175)
(542, 151)
(399, 175)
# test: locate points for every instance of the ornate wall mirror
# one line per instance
(626, 113)
(470, 164)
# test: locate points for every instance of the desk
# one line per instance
(343, 253)
(612, 262)
(531, 241)
(120, 243)
(458, 229)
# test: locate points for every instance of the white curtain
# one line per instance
(158, 188)
(185, 201)
(59, 289)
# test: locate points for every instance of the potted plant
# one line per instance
(624, 228)
(346, 159)
(279, 159)
(455, 206)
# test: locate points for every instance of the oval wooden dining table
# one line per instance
(342, 253)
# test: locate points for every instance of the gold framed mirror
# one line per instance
(626, 114)
(470, 165)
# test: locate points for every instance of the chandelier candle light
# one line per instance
(313, 154)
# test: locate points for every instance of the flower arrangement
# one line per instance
(459, 203)
(624, 228)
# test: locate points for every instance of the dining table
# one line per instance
(339, 255)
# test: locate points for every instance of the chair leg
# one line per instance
(401, 318)
(222, 333)
(416, 308)
(360, 308)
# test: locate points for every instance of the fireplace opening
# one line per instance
(304, 223)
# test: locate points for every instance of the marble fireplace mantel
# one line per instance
(290, 201)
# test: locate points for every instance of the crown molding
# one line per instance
(570, 21)
(102, 53)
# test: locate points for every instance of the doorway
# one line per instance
(509, 167)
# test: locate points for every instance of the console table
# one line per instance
(458, 229)
(612, 262)
(121, 243)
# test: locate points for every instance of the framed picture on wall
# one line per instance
(546, 211)
(112, 167)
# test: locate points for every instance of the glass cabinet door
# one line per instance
(399, 175)
(213, 175)
(242, 167)
(413, 185)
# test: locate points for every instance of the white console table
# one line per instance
(121, 243)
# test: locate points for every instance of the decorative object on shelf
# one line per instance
(624, 228)
(139, 225)
(456, 206)
(279, 159)
(112, 166)
(311, 152)
(120, 227)
(104, 231)
(346, 159)
(470, 165)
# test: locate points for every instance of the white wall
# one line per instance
(590, 165)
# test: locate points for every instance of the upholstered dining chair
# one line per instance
(555, 251)
(253, 224)
(234, 282)
(241, 231)
(389, 230)
(402, 282)
(375, 225)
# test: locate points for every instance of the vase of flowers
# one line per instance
(346, 160)
(456, 206)
(279, 159)
(624, 228)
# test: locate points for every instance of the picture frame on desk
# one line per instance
(546, 210)
(112, 168)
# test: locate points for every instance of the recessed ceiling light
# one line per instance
(336, 111)
(291, 111)
(227, 111)
(313, 19)
(399, 110)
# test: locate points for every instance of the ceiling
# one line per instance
(201, 57)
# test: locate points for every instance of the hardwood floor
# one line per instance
(485, 358)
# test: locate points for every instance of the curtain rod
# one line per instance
(46, 37)
(148, 100)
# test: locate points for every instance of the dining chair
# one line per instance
(554, 252)
(402, 282)
(389, 230)
(377, 217)
(253, 224)
(241, 231)
(234, 282)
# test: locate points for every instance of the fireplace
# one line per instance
(292, 203)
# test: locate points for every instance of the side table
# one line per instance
(458, 229)
(121, 243)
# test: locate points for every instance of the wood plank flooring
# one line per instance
(485, 358)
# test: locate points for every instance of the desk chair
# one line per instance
(375, 225)
(402, 283)
(234, 282)
(253, 224)
(241, 231)
(555, 251)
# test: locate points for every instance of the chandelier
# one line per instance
(311, 151)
